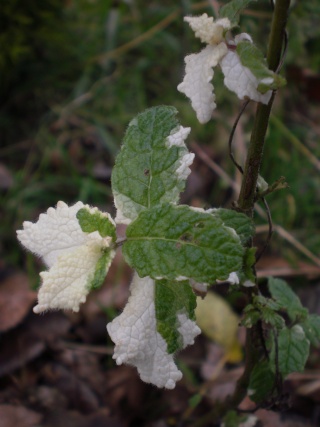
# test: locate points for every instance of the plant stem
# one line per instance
(251, 172)
(246, 204)
(255, 150)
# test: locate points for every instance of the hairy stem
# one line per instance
(251, 172)
(255, 150)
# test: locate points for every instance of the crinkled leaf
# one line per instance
(286, 299)
(293, 350)
(152, 165)
(179, 242)
(137, 341)
(241, 223)
(311, 327)
(249, 260)
(91, 220)
(272, 318)
(232, 10)
(252, 58)
(101, 269)
(251, 316)
(70, 279)
(173, 299)
(196, 84)
(262, 381)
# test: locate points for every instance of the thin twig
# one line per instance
(234, 127)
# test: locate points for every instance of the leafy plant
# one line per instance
(174, 248)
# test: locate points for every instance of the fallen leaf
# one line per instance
(16, 298)
(29, 340)
(18, 416)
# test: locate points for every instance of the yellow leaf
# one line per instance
(219, 323)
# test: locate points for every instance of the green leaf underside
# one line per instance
(311, 327)
(252, 58)
(172, 298)
(101, 269)
(233, 419)
(144, 174)
(286, 299)
(262, 381)
(293, 350)
(96, 221)
(232, 10)
(241, 223)
(264, 309)
(249, 260)
(171, 241)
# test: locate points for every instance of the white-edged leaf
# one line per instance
(252, 58)
(56, 232)
(179, 242)
(207, 29)
(175, 304)
(153, 164)
(78, 260)
(137, 341)
(68, 282)
(197, 85)
(240, 80)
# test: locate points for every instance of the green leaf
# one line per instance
(251, 316)
(91, 220)
(293, 350)
(149, 169)
(173, 298)
(252, 58)
(241, 223)
(233, 419)
(232, 10)
(195, 400)
(286, 299)
(269, 316)
(262, 381)
(102, 268)
(311, 327)
(180, 242)
(249, 259)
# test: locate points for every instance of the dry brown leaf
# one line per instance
(16, 298)
(29, 340)
(18, 416)
(101, 418)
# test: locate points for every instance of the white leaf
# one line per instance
(67, 283)
(240, 80)
(56, 232)
(137, 341)
(71, 254)
(197, 85)
(206, 29)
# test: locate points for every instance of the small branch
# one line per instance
(234, 127)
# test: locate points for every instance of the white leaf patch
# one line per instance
(72, 255)
(197, 85)
(206, 29)
(239, 79)
(137, 341)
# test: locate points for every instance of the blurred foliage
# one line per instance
(73, 73)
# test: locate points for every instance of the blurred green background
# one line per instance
(74, 73)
